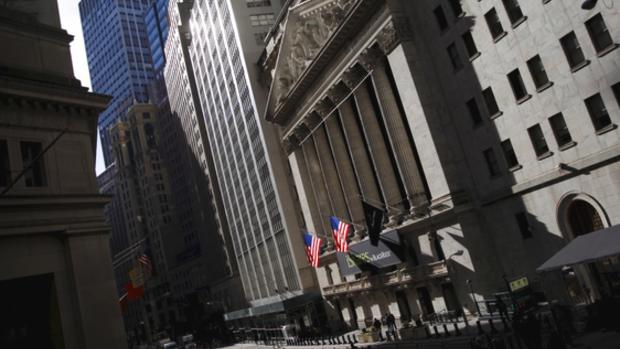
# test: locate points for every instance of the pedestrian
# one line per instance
(391, 324)
(377, 325)
(501, 307)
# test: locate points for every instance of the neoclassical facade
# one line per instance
(421, 109)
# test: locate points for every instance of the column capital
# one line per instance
(371, 58)
(338, 92)
(353, 76)
(312, 120)
(324, 107)
(394, 32)
(290, 144)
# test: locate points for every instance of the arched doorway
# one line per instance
(581, 214)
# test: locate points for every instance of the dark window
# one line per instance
(146, 115)
(5, 166)
(489, 100)
(518, 88)
(598, 112)
(514, 10)
(509, 154)
(441, 18)
(560, 130)
(616, 89)
(454, 57)
(599, 33)
(537, 69)
(455, 5)
(470, 45)
(35, 175)
(474, 111)
(489, 156)
(572, 50)
(538, 140)
(495, 26)
(524, 225)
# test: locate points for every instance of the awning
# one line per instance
(586, 248)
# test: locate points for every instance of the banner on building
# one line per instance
(363, 256)
(137, 277)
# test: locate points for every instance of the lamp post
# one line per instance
(473, 296)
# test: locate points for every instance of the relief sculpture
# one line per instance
(310, 34)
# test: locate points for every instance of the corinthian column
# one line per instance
(330, 175)
(397, 134)
(319, 190)
(346, 174)
(379, 154)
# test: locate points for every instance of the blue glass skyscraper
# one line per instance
(156, 20)
(119, 56)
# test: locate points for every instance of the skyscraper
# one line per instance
(119, 57)
(223, 41)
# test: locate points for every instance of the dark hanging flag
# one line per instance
(374, 222)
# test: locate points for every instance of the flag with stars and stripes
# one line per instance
(313, 249)
(340, 232)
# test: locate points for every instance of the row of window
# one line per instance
(257, 3)
(35, 176)
(263, 19)
(600, 119)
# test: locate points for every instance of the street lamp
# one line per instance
(473, 296)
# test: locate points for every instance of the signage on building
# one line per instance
(363, 256)
(519, 284)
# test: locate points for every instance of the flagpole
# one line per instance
(382, 204)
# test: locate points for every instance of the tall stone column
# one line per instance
(330, 175)
(319, 189)
(406, 162)
(346, 175)
(379, 154)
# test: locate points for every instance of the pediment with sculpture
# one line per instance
(308, 28)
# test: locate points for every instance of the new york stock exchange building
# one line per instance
(408, 106)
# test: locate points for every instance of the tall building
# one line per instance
(216, 43)
(56, 280)
(119, 57)
(486, 131)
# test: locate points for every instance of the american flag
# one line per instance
(145, 262)
(340, 232)
(313, 249)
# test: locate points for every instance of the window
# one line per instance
(441, 18)
(5, 166)
(495, 26)
(518, 88)
(616, 89)
(598, 112)
(474, 111)
(514, 11)
(455, 5)
(489, 156)
(35, 176)
(537, 70)
(509, 154)
(524, 225)
(262, 19)
(572, 50)
(599, 33)
(454, 57)
(258, 3)
(146, 115)
(470, 45)
(560, 130)
(538, 140)
(489, 99)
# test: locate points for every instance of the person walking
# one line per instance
(391, 325)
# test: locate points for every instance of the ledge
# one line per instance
(544, 86)
(579, 66)
(499, 37)
(606, 50)
(515, 168)
(606, 129)
(496, 115)
(544, 156)
(474, 56)
(567, 145)
(519, 21)
(524, 98)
